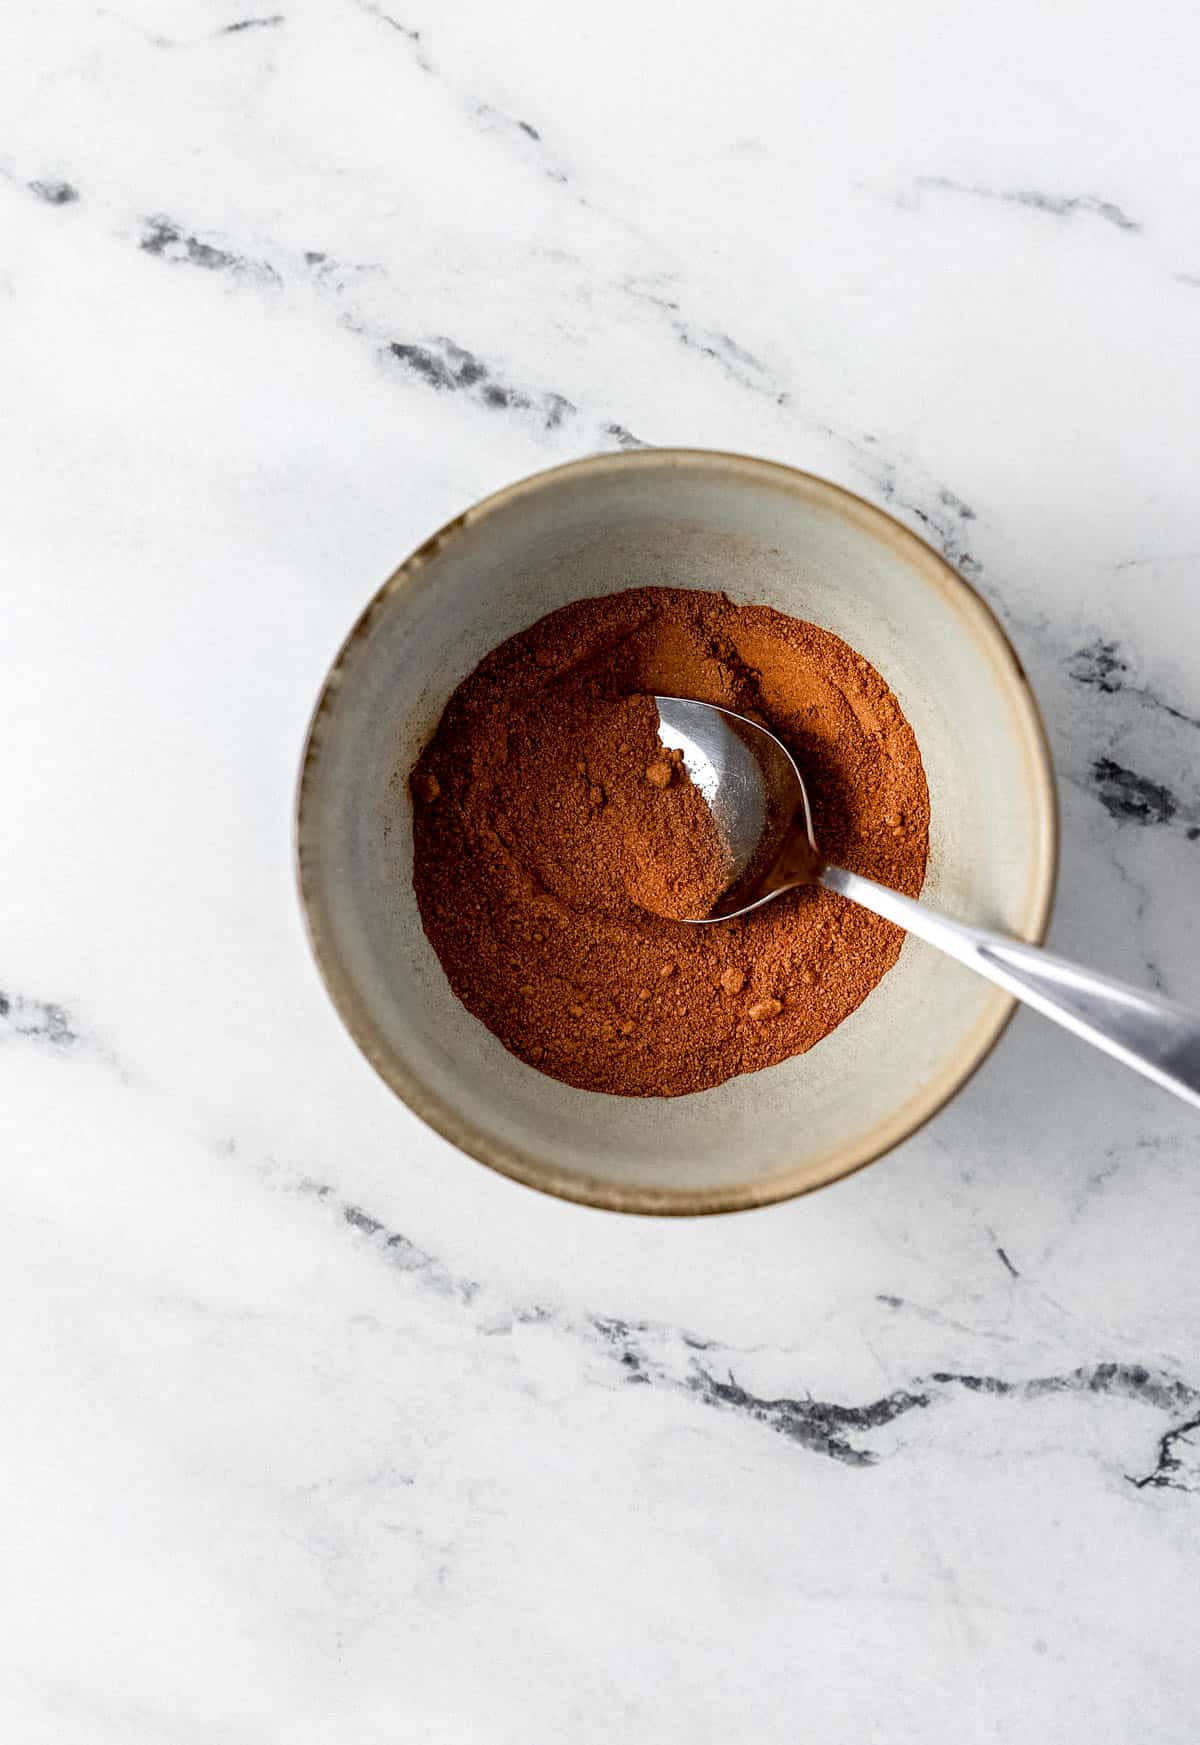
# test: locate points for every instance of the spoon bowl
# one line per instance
(754, 790)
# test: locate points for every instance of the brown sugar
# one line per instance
(555, 837)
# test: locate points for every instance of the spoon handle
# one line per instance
(1155, 1036)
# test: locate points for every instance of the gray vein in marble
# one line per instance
(734, 360)
(439, 362)
(1178, 1464)
(411, 36)
(1103, 665)
(624, 438)
(492, 120)
(166, 240)
(649, 1354)
(1129, 1381)
(485, 116)
(401, 1253)
(821, 1426)
(53, 192)
(739, 365)
(496, 121)
(652, 1354)
(37, 1021)
(450, 368)
(55, 1028)
(268, 23)
(1130, 798)
(238, 27)
(1006, 1263)
(1035, 199)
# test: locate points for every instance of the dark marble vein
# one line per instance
(37, 1021)
(647, 1354)
(1099, 664)
(166, 240)
(839, 1431)
(733, 359)
(1129, 1381)
(399, 1251)
(523, 135)
(54, 193)
(624, 438)
(414, 38)
(738, 364)
(160, 236)
(1178, 1464)
(269, 23)
(494, 120)
(450, 368)
(1103, 666)
(483, 115)
(1036, 200)
(1131, 798)
(621, 1339)
(439, 363)
(822, 1426)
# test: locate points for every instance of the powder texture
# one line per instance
(555, 837)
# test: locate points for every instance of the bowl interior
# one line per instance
(763, 534)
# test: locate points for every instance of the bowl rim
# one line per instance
(767, 1189)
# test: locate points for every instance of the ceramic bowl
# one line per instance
(761, 533)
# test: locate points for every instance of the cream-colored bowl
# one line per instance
(761, 533)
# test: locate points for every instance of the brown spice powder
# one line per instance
(554, 836)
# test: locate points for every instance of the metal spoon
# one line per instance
(758, 801)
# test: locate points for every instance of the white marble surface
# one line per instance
(312, 1429)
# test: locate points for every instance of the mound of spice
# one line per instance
(555, 838)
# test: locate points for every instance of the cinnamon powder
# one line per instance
(555, 837)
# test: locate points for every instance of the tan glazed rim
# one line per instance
(770, 1186)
